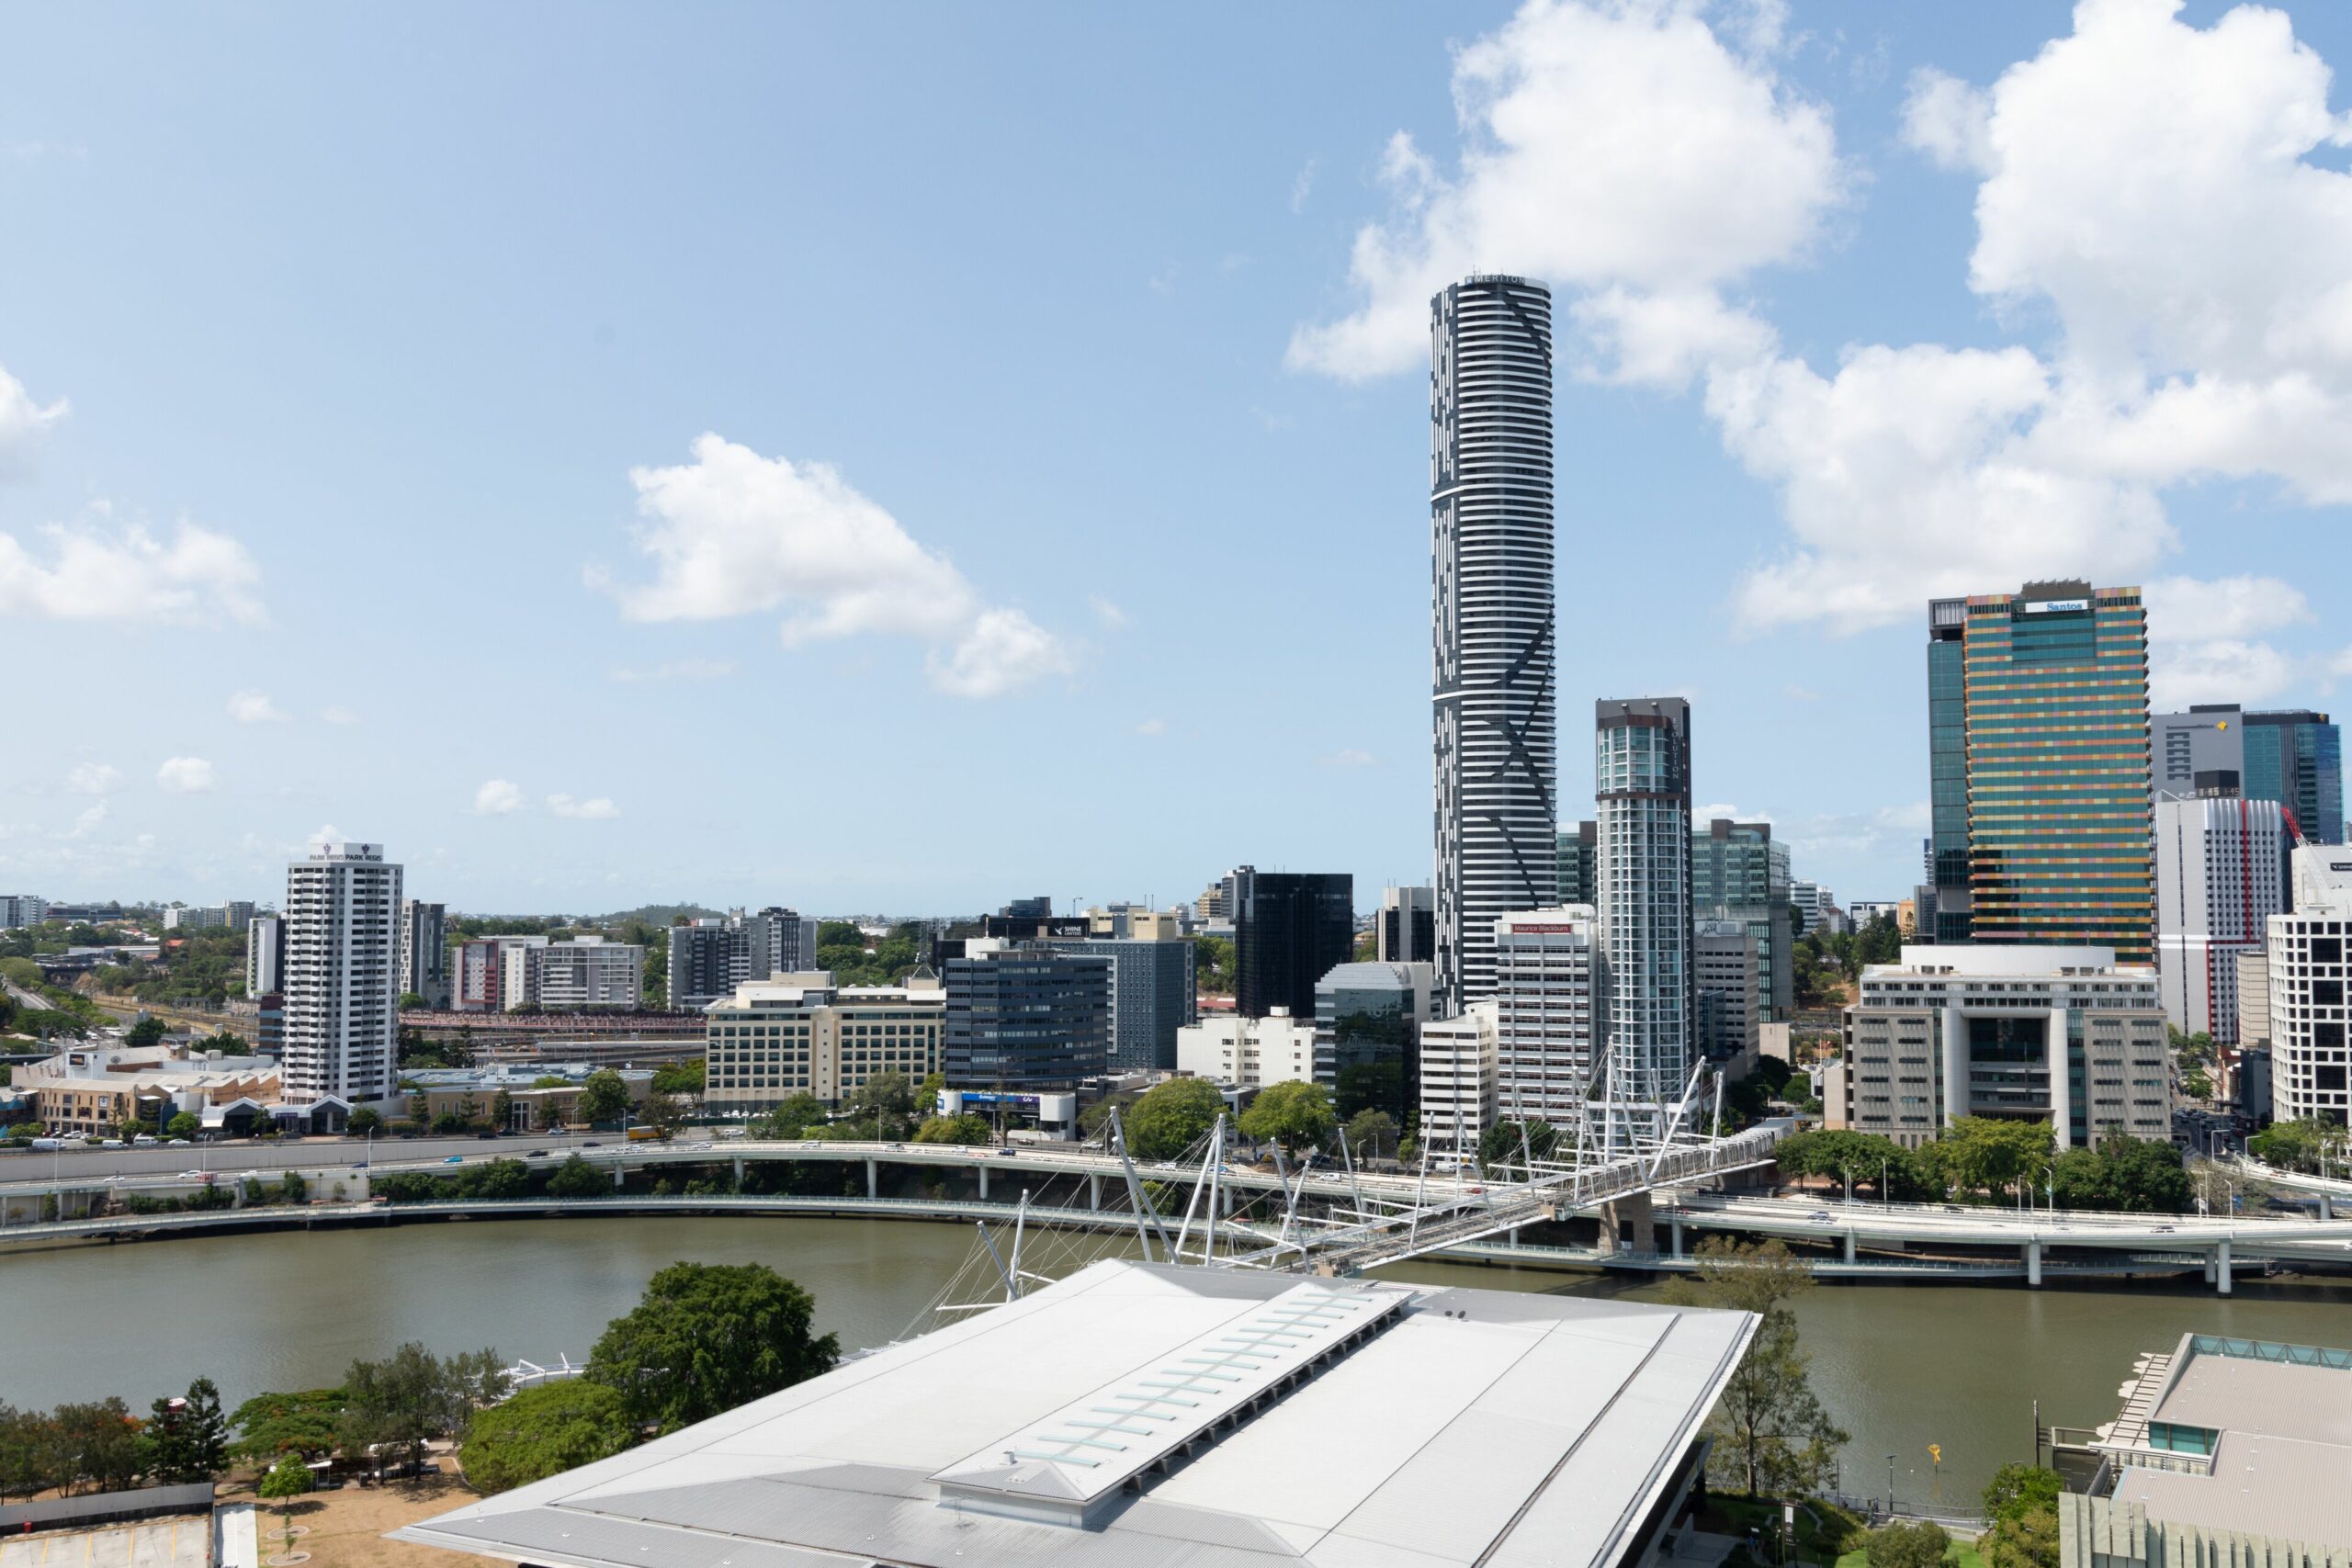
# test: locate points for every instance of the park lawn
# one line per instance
(1963, 1555)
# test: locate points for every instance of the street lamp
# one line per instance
(1889, 1484)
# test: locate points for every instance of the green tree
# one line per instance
(2027, 1538)
(28, 1453)
(99, 1447)
(2298, 1146)
(288, 1479)
(1920, 1545)
(680, 1078)
(1990, 1155)
(575, 1178)
(1501, 1151)
(1773, 1436)
(410, 1397)
(2017, 1489)
(544, 1431)
(1852, 1157)
(189, 1437)
(1371, 1134)
(364, 1121)
(604, 1098)
(708, 1338)
(184, 1126)
(146, 1032)
(888, 1100)
(1214, 965)
(501, 1110)
(1171, 1117)
(963, 1129)
(1290, 1114)
(410, 1002)
(790, 1119)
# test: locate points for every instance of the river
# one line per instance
(1900, 1366)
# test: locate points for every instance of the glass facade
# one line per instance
(1642, 784)
(1739, 872)
(1947, 774)
(1289, 929)
(1367, 1038)
(1026, 1018)
(1576, 881)
(2297, 760)
(2055, 814)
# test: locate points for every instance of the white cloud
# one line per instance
(2227, 669)
(733, 533)
(676, 669)
(87, 821)
(250, 707)
(1302, 186)
(338, 714)
(1004, 651)
(1110, 614)
(1348, 758)
(597, 810)
(185, 775)
(1152, 727)
(22, 420)
(1608, 144)
(94, 570)
(496, 797)
(1702, 815)
(1949, 120)
(95, 778)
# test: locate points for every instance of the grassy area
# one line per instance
(1963, 1555)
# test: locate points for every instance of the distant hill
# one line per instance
(656, 914)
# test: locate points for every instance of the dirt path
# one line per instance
(345, 1528)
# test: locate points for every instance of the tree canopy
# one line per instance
(1773, 1436)
(1171, 1117)
(544, 1431)
(412, 1396)
(604, 1096)
(965, 1129)
(1290, 1113)
(708, 1338)
(789, 1120)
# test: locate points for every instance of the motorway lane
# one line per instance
(284, 1154)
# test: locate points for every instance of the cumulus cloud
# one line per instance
(251, 707)
(335, 714)
(98, 570)
(1152, 727)
(597, 810)
(22, 420)
(733, 533)
(2168, 202)
(1347, 757)
(1110, 614)
(1615, 144)
(496, 797)
(185, 775)
(95, 778)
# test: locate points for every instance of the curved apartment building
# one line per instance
(1490, 534)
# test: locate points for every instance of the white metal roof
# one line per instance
(1420, 1430)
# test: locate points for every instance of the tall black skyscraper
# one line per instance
(1289, 929)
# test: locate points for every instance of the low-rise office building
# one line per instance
(96, 1089)
(1368, 1020)
(805, 1035)
(1459, 1074)
(1730, 1007)
(514, 1098)
(1026, 1016)
(1248, 1053)
(1154, 993)
(2226, 1451)
(2062, 1035)
(1543, 1016)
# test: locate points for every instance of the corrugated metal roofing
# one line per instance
(1517, 1427)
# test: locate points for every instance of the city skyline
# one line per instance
(516, 438)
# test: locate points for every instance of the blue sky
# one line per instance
(1063, 525)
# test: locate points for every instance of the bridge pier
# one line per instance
(2034, 1265)
(738, 1173)
(1849, 1244)
(1094, 1191)
(2221, 1265)
(1676, 1226)
(2327, 1207)
(984, 1181)
(1630, 1223)
(872, 1179)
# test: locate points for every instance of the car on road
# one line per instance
(455, 1159)
(1819, 1216)
(2162, 1229)
(536, 1154)
(591, 1143)
(1007, 1154)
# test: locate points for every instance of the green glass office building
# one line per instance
(2037, 769)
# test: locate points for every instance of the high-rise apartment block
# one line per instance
(2038, 765)
(1493, 718)
(1026, 1016)
(1289, 930)
(2221, 875)
(1643, 790)
(265, 956)
(1368, 1020)
(477, 971)
(1575, 852)
(19, 909)
(2059, 1034)
(343, 921)
(2308, 976)
(424, 951)
(801, 1033)
(2297, 760)
(1407, 932)
(1544, 1014)
(1739, 872)
(712, 955)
